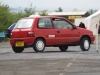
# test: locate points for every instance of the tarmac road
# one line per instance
(51, 62)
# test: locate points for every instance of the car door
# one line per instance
(46, 30)
(65, 32)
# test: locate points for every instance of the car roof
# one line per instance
(49, 17)
(44, 17)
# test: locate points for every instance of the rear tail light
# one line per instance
(11, 34)
(31, 34)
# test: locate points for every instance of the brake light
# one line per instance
(31, 34)
(11, 34)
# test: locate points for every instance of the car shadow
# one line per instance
(53, 52)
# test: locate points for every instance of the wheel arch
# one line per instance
(86, 36)
(41, 38)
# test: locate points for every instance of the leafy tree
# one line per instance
(16, 16)
(4, 16)
(29, 11)
(59, 10)
(43, 13)
(7, 17)
(91, 11)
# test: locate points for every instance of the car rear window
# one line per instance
(24, 23)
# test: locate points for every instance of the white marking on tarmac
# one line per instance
(69, 65)
(61, 73)
(74, 59)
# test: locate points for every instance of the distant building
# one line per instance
(70, 15)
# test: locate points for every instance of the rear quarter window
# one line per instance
(45, 23)
(24, 23)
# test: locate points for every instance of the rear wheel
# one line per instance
(17, 49)
(63, 48)
(39, 45)
(85, 44)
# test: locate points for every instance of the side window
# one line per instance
(61, 23)
(45, 23)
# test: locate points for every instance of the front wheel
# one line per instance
(17, 49)
(63, 48)
(85, 44)
(39, 45)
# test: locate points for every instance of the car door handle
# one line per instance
(58, 31)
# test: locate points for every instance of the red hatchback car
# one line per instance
(46, 31)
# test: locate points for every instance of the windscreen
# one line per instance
(24, 23)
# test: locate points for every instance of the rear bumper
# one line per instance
(27, 41)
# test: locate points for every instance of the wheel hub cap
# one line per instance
(86, 44)
(40, 45)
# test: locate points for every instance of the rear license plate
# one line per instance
(19, 43)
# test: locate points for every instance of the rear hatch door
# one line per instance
(22, 28)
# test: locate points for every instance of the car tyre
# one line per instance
(85, 44)
(17, 49)
(63, 48)
(39, 45)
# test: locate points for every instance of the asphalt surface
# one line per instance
(51, 62)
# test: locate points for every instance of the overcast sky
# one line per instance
(54, 4)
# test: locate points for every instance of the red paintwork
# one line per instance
(66, 36)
